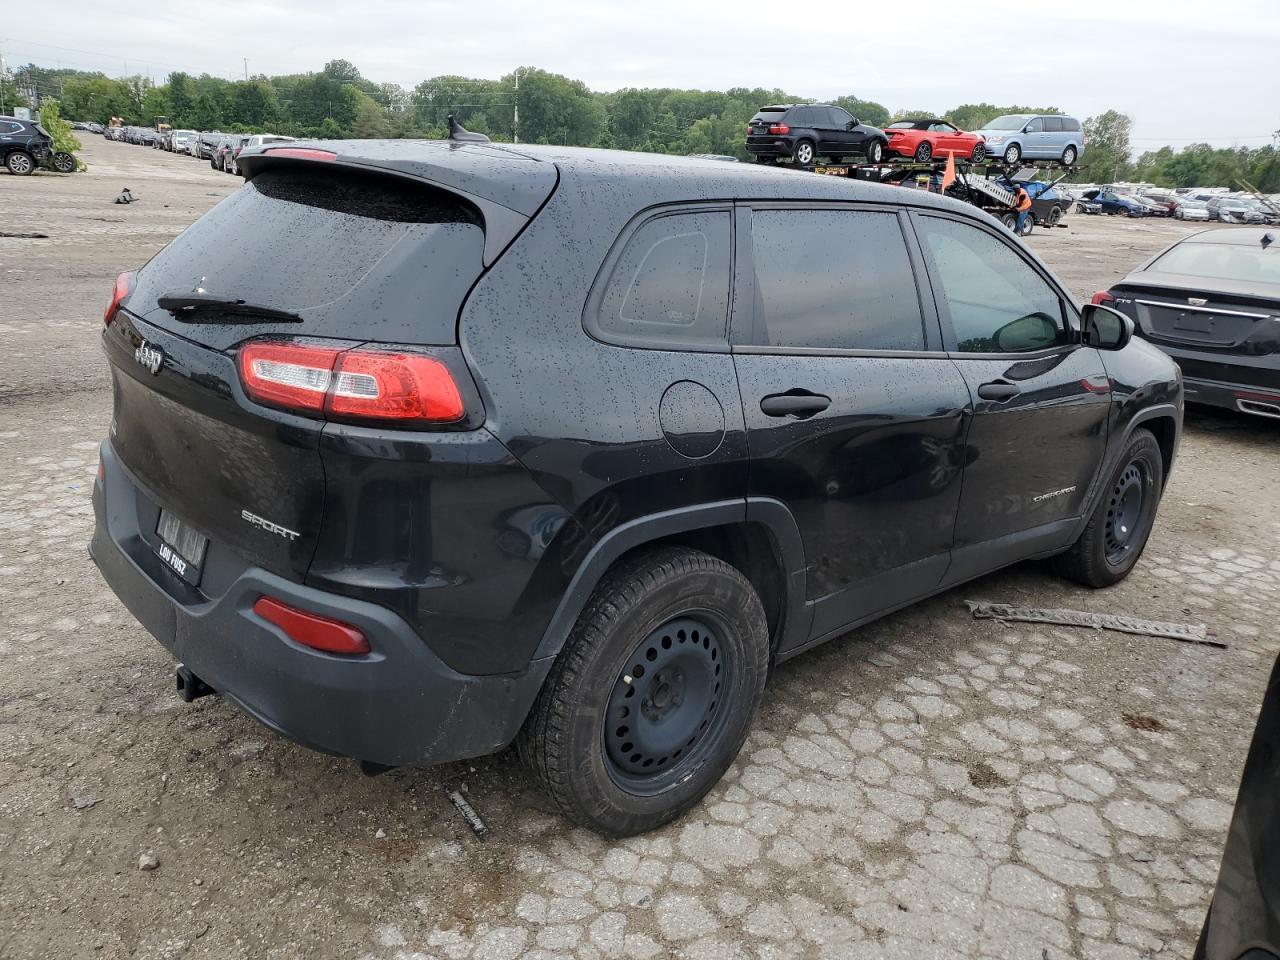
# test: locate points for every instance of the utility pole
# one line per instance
(246, 68)
(515, 123)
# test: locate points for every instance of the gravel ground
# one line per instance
(929, 786)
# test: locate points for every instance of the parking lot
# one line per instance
(929, 786)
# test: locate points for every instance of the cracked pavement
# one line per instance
(928, 786)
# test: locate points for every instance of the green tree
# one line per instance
(97, 98)
(1106, 158)
(867, 111)
(182, 98)
(370, 122)
(64, 141)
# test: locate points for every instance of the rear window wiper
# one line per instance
(193, 305)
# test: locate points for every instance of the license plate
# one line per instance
(181, 547)
(1195, 322)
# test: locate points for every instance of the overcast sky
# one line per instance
(1186, 71)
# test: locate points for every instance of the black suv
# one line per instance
(24, 145)
(455, 445)
(805, 132)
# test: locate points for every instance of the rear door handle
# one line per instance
(798, 404)
(998, 390)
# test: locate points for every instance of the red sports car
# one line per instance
(925, 139)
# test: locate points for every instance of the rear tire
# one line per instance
(624, 751)
(1010, 220)
(979, 153)
(1055, 216)
(804, 153)
(1117, 531)
(1069, 156)
(20, 163)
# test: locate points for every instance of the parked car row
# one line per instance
(220, 149)
(806, 132)
(1225, 208)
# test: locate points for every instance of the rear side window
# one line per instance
(356, 256)
(669, 284)
(1071, 124)
(1052, 125)
(833, 278)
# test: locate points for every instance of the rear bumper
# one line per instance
(1262, 403)
(398, 705)
(781, 147)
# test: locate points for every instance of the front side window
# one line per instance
(1035, 126)
(671, 281)
(997, 302)
(833, 278)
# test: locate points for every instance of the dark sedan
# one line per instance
(1212, 302)
(1244, 918)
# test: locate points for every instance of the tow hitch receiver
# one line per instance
(190, 687)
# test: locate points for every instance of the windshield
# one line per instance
(907, 125)
(1007, 123)
(1194, 204)
(1222, 261)
(1233, 204)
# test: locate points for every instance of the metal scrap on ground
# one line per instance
(468, 814)
(1187, 632)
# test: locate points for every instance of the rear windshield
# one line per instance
(1222, 261)
(356, 256)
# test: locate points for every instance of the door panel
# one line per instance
(1041, 403)
(1032, 458)
(855, 418)
(873, 480)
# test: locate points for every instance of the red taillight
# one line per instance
(1103, 297)
(287, 375)
(311, 630)
(780, 128)
(363, 384)
(394, 386)
(302, 153)
(124, 285)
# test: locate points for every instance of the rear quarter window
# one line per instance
(666, 286)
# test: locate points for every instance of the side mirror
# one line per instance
(852, 123)
(1104, 328)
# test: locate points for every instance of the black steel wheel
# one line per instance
(1124, 512)
(664, 704)
(653, 694)
(1117, 530)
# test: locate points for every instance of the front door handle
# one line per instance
(799, 404)
(998, 390)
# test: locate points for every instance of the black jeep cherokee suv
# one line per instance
(463, 444)
(806, 132)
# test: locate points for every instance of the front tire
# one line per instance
(1120, 524)
(924, 152)
(803, 153)
(875, 152)
(1012, 153)
(20, 163)
(1055, 216)
(653, 694)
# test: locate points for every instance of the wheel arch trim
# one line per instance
(772, 514)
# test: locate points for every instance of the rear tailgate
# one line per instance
(356, 258)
